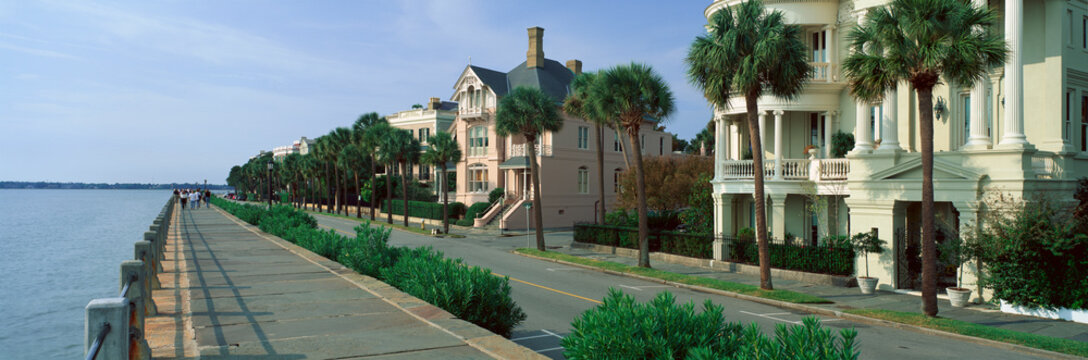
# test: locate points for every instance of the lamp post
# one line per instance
(269, 184)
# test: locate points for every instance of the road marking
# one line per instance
(548, 288)
(562, 269)
(551, 333)
(552, 349)
(767, 316)
(337, 230)
(531, 337)
(639, 288)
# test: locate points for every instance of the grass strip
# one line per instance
(1065, 346)
(750, 290)
(378, 221)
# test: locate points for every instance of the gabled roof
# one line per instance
(448, 105)
(553, 78)
(496, 80)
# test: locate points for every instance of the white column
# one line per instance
(778, 144)
(762, 129)
(719, 144)
(889, 125)
(1014, 76)
(831, 47)
(979, 137)
(828, 116)
(863, 134)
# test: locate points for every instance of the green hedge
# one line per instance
(692, 245)
(470, 293)
(823, 259)
(621, 328)
(423, 209)
(475, 210)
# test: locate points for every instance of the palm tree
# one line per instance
(339, 138)
(583, 103)
(749, 52)
(308, 167)
(919, 41)
(392, 142)
(529, 112)
(634, 92)
(442, 149)
(367, 136)
(352, 161)
(408, 154)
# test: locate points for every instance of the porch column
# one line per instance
(1014, 77)
(889, 126)
(863, 135)
(969, 223)
(778, 216)
(979, 138)
(721, 139)
(828, 119)
(723, 226)
(762, 129)
(778, 144)
(831, 49)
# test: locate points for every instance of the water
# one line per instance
(58, 250)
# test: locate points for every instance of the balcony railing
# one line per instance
(822, 71)
(519, 150)
(792, 169)
(471, 112)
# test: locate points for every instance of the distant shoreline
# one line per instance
(42, 185)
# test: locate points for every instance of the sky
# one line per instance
(180, 91)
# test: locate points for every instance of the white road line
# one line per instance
(552, 349)
(773, 314)
(639, 288)
(631, 287)
(562, 269)
(530, 337)
(551, 333)
(771, 317)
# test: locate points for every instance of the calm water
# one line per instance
(58, 250)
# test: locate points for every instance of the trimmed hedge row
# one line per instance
(822, 259)
(423, 209)
(691, 245)
(470, 293)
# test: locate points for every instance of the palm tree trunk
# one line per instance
(358, 195)
(344, 193)
(623, 149)
(640, 188)
(404, 190)
(534, 173)
(759, 195)
(373, 191)
(445, 202)
(389, 193)
(600, 170)
(929, 246)
(336, 180)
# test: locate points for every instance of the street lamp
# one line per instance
(269, 184)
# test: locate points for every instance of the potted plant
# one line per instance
(867, 243)
(956, 252)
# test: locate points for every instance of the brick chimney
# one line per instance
(535, 55)
(575, 66)
(434, 104)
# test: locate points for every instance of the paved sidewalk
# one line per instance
(233, 291)
(851, 298)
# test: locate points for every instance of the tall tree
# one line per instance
(339, 138)
(408, 154)
(442, 149)
(368, 136)
(583, 103)
(634, 92)
(392, 142)
(920, 41)
(353, 161)
(529, 112)
(748, 52)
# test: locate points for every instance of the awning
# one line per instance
(517, 162)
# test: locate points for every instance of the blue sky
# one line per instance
(179, 91)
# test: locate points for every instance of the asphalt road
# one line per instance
(553, 295)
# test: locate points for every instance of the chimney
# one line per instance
(535, 55)
(575, 66)
(434, 104)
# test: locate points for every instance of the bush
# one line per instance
(685, 244)
(495, 194)
(841, 143)
(457, 210)
(698, 217)
(621, 328)
(369, 251)
(465, 222)
(661, 220)
(476, 210)
(468, 292)
(421, 209)
(822, 259)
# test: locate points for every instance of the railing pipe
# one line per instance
(107, 325)
(92, 352)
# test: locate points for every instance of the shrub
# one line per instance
(621, 328)
(698, 217)
(421, 209)
(841, 143)
(465, 222)
(685, 244)
(834, 256)
(621, 217)
(369, 251)
(495, 194)
(669, 181)
(457, 210)
(468, 292)
(475, 210)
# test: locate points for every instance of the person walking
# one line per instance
(207, 198)
(184, 198)
(194, 198)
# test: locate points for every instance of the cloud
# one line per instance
(37, 52)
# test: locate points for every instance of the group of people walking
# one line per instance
(193, 197)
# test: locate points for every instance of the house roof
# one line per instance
(553, 78)
(517, 162)
(448, 105)
(496, 80)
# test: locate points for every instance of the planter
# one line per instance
(958, 296)
(867, 284)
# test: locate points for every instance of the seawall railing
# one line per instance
(114, 327)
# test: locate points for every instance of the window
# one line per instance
(616, 180)
(424, 172)
(661, 146)
(583, 137)
(813, 130)
(412, 132)
(642, 143)
(477, 141)
(1068, 115)
(1084, 32)
(966, 99)
(615, 141)
(1084, 123)
(477, 178)
(583, 180)
(424, 134)
(1069, 16)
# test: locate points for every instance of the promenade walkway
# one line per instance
(232, 291)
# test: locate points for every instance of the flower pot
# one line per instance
(958, 296)
(867, 284)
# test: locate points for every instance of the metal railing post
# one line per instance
(110, 315)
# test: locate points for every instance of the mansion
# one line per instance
(981, 142)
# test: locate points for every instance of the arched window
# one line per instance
(468, 97)
(477, 141)
(583, 180)
(616, 180)
(477, 178)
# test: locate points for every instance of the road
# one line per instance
(553, 295)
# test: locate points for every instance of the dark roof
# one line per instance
(448, 105)
(517, 162)
(496, 80)
(552, 78)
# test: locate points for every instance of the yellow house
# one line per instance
(1023, 130)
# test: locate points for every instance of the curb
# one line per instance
(825, 312)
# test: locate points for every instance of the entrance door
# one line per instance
(908, 254)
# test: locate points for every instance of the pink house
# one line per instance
(567, 158)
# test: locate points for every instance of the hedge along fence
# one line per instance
(816, 259)
(423, 209)
(470, 293)
(692, 245)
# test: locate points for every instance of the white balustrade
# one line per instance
(821, 71)
(834, 169)
(792, 169)
(519, 150)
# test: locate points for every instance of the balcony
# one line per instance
(472, 113)
(822, 72)
(519, 150)
(791, 169)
